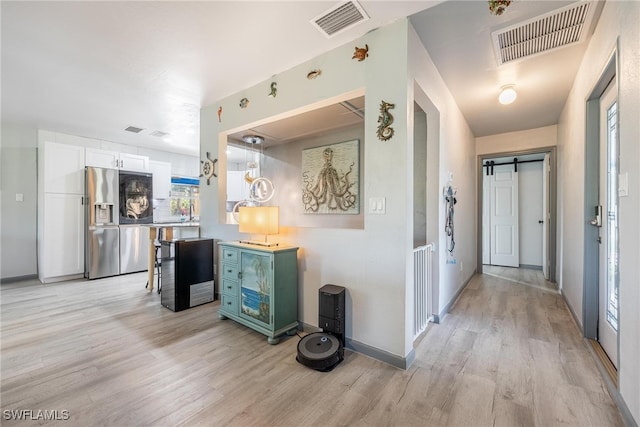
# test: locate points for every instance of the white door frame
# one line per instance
(552, 203)
(591, 185)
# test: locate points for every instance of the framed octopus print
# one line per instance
(330, 178)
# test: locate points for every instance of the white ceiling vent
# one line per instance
(133, 129)
(159, 134)
(562, 27)
(339, 18)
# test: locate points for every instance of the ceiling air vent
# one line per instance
(133, 129)
(159, 134)
(340, 17)
(562, 27)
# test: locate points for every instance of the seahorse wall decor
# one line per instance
(385, 131)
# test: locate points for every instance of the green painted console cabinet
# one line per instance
(259, 287)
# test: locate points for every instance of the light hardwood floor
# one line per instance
(508, 354)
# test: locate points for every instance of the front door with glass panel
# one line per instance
(255, 287)
(608, 222)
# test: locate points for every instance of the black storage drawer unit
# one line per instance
(187, 273)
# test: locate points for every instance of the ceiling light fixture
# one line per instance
(507, 95)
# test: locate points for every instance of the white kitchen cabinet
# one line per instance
(187, 166)
(113, 160)
(62, 244)
(60, 210)
(161, 179)
(98, 158)
(237, 186)
(63, 168)
(134, 162)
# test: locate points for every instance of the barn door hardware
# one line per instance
(489, 164)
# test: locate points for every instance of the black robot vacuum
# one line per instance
(320, 351)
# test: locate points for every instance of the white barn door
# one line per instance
(504, 217)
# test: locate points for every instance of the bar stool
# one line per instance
(157, 263)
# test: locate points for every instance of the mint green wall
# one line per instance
(375, 263)
(371, 262)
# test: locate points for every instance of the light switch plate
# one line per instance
(19, 197)
(623, 184)
(377, 205)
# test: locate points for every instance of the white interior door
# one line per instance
(608, 238)
(546, 215)
(504, 217)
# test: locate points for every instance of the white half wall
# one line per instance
(619, 26)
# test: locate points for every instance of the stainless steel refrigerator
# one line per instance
(102, 241)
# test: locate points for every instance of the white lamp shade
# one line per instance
(259, 219)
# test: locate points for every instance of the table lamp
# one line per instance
(259, 220)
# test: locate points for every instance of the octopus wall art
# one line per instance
(330, 179)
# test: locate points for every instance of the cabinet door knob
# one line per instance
(228, 302)
(228, 287)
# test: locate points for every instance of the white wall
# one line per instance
(456, 157)
(18, 219)
(517, 141)
(619, 25)
(530, 212)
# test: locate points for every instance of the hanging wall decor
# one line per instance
(385, 131)
(220, 114)
(313, 74)
(244, 102)
(361, 53)
(330, 179)
(497, 7)
(274, 90)
(208, 167)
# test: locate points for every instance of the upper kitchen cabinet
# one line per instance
(161, 179)
(63, 168)
(184, 165)
(113, 160)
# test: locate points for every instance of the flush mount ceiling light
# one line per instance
(507, 95)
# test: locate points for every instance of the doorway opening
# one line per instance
(517, 212)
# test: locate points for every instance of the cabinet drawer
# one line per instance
(229, 271)
(229, 287)
(230, 255)
(229, 304)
